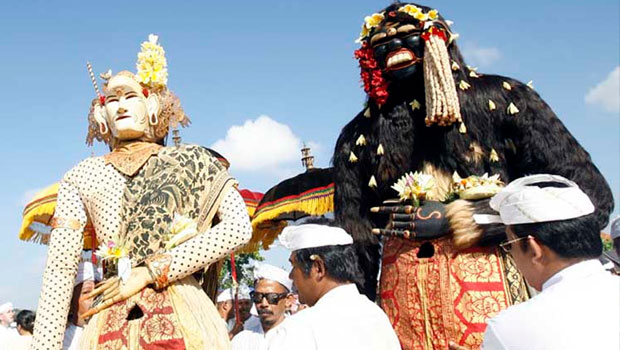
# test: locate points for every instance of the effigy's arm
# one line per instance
(535, 141)
(542, 144)
(232, 231)
(353, 198)
(63, 257)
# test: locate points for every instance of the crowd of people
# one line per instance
(506, 257)
(317, 305)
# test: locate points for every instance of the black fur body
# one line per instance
(532, 141)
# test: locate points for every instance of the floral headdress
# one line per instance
(442, 105)
(152, 75)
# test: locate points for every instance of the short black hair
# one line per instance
(25, 319)
(341, 263)
(574, 238)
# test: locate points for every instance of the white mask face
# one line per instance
(126, 109)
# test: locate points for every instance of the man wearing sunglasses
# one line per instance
(325, 272)
(554, 239)
(272, 297)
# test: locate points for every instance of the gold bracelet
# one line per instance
(159, 266)
(57, 222)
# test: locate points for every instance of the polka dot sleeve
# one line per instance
(233, 230)
(63, 257)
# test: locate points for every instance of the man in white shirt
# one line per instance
(7, 316)
(325, 269)
(272, 297)
(555, 242)
(226, 308)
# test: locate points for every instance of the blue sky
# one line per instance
(250, 72)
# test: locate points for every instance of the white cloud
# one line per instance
(606, 93)
(261, 145)
(480, 56)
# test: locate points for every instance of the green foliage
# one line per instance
(608, 243)
(244, 264)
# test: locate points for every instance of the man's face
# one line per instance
(6, 318)
(306, 286)
(84, 303)
(523, 260)
(245, 305)
(225, 309)
(270, 314)
(126, 108)
(398, 49)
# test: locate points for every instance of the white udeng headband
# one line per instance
(312, 236)
(522, 202)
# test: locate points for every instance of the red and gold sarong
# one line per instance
(181, 317)
(446, 297)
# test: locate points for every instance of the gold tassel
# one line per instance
(372, 183)
(453, 37)
(442, 102)
(415, 105)
(494, 157)
(361, 141)
(512, 109)
(462, 128)
(352, 157)
(463, 85)
(267, 231)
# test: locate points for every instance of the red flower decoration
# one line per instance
(101, 100)
(372, 77)
(433, 31)
(145, 92)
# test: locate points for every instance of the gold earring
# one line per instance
(153, 119)
(103, 128)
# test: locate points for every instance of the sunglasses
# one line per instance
(507, 246)
(272, 298)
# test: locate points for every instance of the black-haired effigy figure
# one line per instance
(442, 275)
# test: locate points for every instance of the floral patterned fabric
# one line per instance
(185, 179)
(445, 297)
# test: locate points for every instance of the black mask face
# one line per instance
(398, 49)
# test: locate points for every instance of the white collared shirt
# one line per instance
(342, 319)
(578, 308)
(71, 341)
(253, 339)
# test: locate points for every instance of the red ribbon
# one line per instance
(233, 273)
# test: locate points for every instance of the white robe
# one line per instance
(253, 339)
(578, 308)
(7, 333)
(342, 319)
(71, 341)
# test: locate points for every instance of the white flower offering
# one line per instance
(414, 186)
(182, 228)
(476, 187)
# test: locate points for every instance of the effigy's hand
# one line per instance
(405, 221)
(113, 290)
